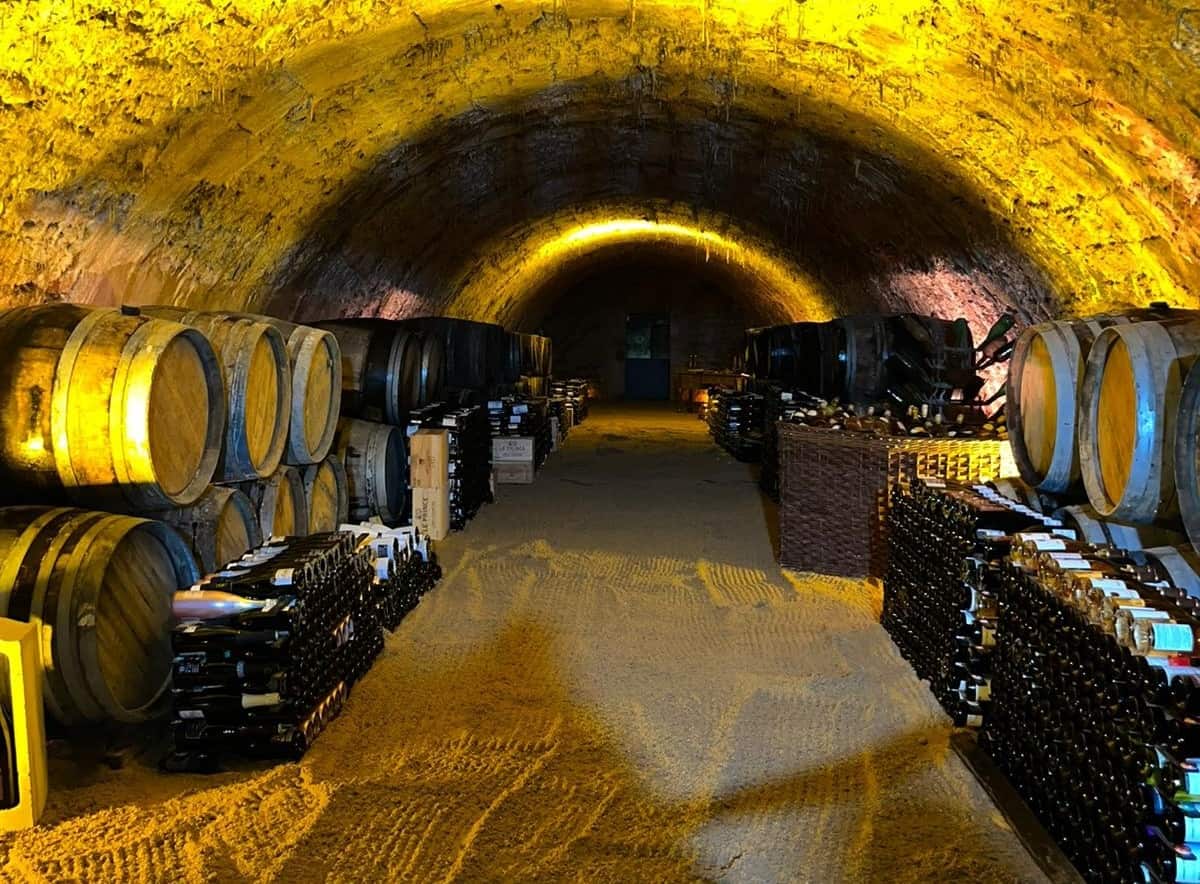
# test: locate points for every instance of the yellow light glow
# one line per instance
(34, 446)
(498, 290)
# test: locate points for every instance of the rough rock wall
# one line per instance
(1003, 152)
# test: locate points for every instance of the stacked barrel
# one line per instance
(1105, 413)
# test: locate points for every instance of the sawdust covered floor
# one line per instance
(614, 682)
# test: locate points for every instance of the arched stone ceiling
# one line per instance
(292, 154)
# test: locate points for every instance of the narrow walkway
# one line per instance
(614, 682)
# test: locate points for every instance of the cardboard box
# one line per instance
(429, 459)
(431, 511)
(512, 449)
(513, 473)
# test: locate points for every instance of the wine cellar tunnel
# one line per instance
(619, 195)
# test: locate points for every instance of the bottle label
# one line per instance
(1049, 545)
(1073, 564)
(191, 714)
(990, 534)
(1173, 637)
(1191, 782)
(1187, 871)
(1191, 829)
(1138, 613)
(1032, 535)
(1112, 587)
(983, 692)
(1066, 533)
(283, 577)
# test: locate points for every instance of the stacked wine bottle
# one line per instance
(780, 403)
(405, 568)
(268, 648)
(575, 391)
(516, 416)
(736, 422)
(470, 455)
(1095, 712)
(946, 545)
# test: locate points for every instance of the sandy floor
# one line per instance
(614, 682)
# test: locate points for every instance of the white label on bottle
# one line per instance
(974, 721)
(1049, 544)
(252, 701)
(1187, 871)
(1032, 535)
(191, 714)
(983, 692)
(1191, 781)
(283, 577)
(989, 534)
(1111, 585)
(1147, 614)
(1065, 532)
(1173, 637)
(1055, 523)
(1191, 829)
(382, 568)
(1073, 564)
(1125, 595)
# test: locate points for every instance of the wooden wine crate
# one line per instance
(835, 489)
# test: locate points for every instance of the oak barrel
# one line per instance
(326, 495)
(476, 353)
(106, 408)
(433, 369)
(381, 368)
(100, 586)
(537, 355)
(220, 527)
(1129, 402)
(316, 359)
(1091, 527)
(258, 389)
(280, 504)
(376, 462)
(1187, 455)
(1181, 564)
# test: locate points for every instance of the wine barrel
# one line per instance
(1187, 455)
(381, 368)
(855, 353)
(1044, 378)
(433, 369)
(316, 360)
(1091, 527)
(756, 355)
(280, 503)
(100, 586)
(1181, 563)
(106, 408)
(536, 355)
(258, 389)
(1129, 401)
(476, 353)
(220, 527)
(326, 495)
(512, 358)
(376, 463)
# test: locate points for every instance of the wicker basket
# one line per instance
(835, 490)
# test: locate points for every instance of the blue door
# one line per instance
(648, 356)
